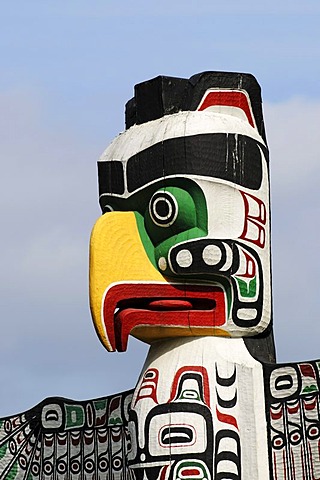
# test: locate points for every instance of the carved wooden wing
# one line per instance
(292, 402)
(63, 439)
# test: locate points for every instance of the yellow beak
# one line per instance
(117, 256)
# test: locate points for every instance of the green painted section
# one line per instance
(309, 389)
(114, 421)
(162, 250)
(190, 215)
(12, 474)
(190, 223)
(190, 465)
(100, 404)
(3, 450)
(74, 416)
(247, 290)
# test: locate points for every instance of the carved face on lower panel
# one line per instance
(182, 248)
(191, 421)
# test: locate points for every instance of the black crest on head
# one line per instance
(167, 95)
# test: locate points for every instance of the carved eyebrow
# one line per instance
(232, 157)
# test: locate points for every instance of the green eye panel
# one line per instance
(182, 212)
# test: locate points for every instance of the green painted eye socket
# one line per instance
(171, 210)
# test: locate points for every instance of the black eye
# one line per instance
(163, 208)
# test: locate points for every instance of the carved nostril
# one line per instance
(184, 258)
(211, 255)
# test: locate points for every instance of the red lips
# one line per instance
(129, 305)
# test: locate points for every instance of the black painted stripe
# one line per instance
(111, 178)
(232, 157)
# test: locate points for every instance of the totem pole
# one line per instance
(180, 259)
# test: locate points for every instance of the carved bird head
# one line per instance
(183, 245)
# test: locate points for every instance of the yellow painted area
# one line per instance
(217, 332)
(153, 333)
(116, 255)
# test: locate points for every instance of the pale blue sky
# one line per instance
(67, 69)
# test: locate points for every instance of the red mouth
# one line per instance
(131, 305)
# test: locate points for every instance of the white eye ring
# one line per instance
(163, 208)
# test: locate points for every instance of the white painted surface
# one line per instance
(224, 355)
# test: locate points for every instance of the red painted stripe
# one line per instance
(275, 415)
(190, 472)
(223, 417)
(163, 472)
(307, 370)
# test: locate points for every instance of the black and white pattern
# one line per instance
(62, 439)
